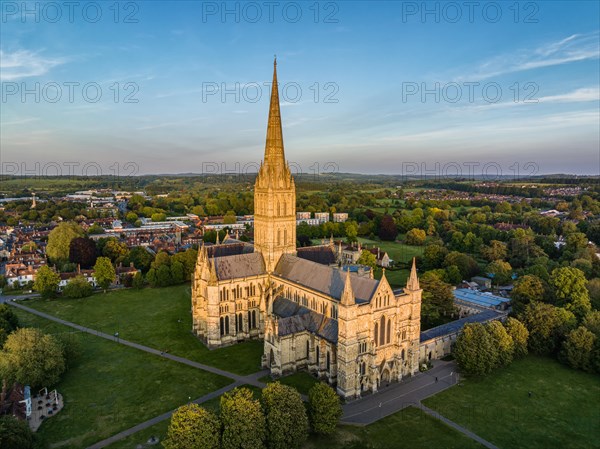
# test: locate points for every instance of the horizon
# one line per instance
(366, 88)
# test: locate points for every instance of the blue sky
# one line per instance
(366, 87)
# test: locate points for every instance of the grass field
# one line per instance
(398, 252)
(407, 429)
(301, 381)
(564, 410)
(112, 387)
(160, 318)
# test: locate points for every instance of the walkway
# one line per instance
(458, 427)
(252, 379)
(388, 400)
(397, 396)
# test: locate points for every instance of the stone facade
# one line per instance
(354, 331)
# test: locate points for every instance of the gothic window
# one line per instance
(236, 322)
(318, 353)
(389, 331)
(328, 361)
(363, 368)
(403, 354)
(279, 236)
(307, 348)
(403, 335)
(222, 326)
(249, 320)
(254, 319)
(376, 333)
(226, 325)
(240, 323)
(284, 207)
(278, 208)
(285, 236)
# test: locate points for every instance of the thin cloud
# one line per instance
(577, 47)
(24, 64)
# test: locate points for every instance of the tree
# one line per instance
(82, 251)
(547, 326)
(466, 264)
(519, 334)
(104, 272)
(433, 256)
(416, 237)
(324, 408)
(367, 258)
(95, 229)
(593, 287)
(158, 216)
(351, 229)
(496, 250)
(115, 250)
(140, 257)
(9, 322)
(570, 290)
(177, 272)
(503, 341)
(77, 287)
(16, 434)
(387, 228)
(151, 277)
(31, 357)
(474, 350)
(578, 349)
(46, 282)
(193, 427)
(59, 241)
(528, 288)
(453, 275)
(242, 419)
(138, 281)
(286, 419)
(501, 272)
(229, 217)
(163, 276)
(438, 300)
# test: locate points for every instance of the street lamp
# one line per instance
(117, 336)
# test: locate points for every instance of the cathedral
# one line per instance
(347, 328)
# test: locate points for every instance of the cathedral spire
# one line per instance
(413, 280)
(347, 298)
(274, 154)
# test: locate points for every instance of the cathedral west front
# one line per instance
(349, 329)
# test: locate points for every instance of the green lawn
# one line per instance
(564, 410)
(301, 381)
(160, 318)
(160, 430)
(396, 278)
(112, 387)
(398, 252)
(407, 429)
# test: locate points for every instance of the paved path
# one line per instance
(252, 379)
(460, 428)
(397, 396)
(160, 418)
(388, 400)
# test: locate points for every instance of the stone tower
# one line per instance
(347, 349)
(274, 193)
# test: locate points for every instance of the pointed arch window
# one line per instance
(376, 333)
(389, 331)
